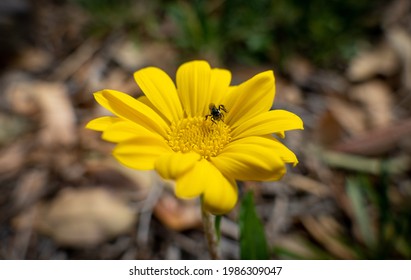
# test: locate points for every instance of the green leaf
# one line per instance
(253, 244)
(217, 226)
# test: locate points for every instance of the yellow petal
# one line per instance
(276, 121)
(161, 91)
(127, 107)
(221, 194)
(283, 152)
(143, 99)
(125, 130)
(281, 134)
(250, 98)
(254, 158)
(219, 87)
(141, 152)
(173, 165)
(102, 123)
(193, 182)
(193, 84)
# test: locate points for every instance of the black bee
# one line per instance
(216, 114)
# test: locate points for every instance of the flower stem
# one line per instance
(210, 234)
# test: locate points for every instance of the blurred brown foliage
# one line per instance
(62, 196)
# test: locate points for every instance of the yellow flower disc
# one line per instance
(199, 135)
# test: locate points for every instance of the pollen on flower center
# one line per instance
(196, 134)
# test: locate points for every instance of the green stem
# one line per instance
(210, 234)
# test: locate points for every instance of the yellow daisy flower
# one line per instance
(204, 133)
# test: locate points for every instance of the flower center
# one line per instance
(197, 134)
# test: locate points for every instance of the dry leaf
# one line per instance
(300, 69)
(52, 101)
(400, 41)
(84, 217)
(351, 118)
(34, 59)
(379, 61)
(377, 99)
(289, 93)
(327, 131)
(57, 114)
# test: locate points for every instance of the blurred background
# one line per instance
(344, 66)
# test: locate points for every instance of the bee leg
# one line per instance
(222, 107)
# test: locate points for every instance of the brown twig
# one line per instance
(210, 234)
